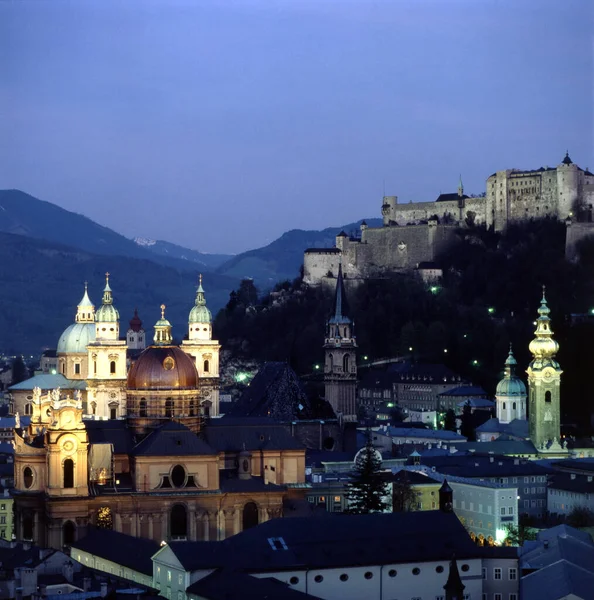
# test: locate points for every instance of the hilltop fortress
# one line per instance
(413, 234)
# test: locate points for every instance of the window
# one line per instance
(503, 510)
(344, 577)
(497, 597)
(294, 580)
(345, 363)
(178, 524)
(68, 473)
(484, 571)
(169, 407)
(318, 579)
(178, 476)
(416, 571)
(142, 408)
(206, 366)
(368, 575)
(497, 573)
(513, 596)
(547, 396)
(526, 479)
(180, 579)
(168, 576)
(112, 367)
(77, 368)
(392, 573)
(513, 573)
(510, 510)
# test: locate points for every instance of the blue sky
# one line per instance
(219, 125)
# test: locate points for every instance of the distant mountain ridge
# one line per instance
(202, 259)
(282, 259)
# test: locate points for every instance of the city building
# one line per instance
(374, 556)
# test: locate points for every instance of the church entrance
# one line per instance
(69, 533)
(178, 526)
(250, 515)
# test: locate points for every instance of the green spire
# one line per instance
(107, 295)
(107, 312)
(200, 312)
(163, 335)
(86, 310)
(460, 187)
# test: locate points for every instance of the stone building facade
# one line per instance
(416, 233)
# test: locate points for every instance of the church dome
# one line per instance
(76, 338)
(163, 368)
(200, 314)
(512, 386)
(107, 313)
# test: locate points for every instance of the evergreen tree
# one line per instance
(19, 370)
(450, 420)
(367, 490)
(467, 426)
(404, 498)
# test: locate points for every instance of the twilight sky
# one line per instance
(221, 124)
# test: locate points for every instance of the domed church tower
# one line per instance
(136, 336)
(544, 379)
(106, 381)
(72, 345)
(163, 384)
(511, 393)
(205, 352)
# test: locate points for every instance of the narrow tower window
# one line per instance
(28, 477)
(112, 367)
(169, 408)
(345, 363)
(68, 473)
(547, 396)
(206, 366)
(142, 408)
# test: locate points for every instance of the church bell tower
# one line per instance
(340, 367)
(544, 379)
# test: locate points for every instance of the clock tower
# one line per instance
(544, 379)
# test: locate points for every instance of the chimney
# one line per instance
(491, 459)
(573, 476)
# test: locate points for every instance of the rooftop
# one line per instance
(47, 381)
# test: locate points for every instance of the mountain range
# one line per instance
(47, 252)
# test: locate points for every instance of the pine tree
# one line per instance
(367, 490)
(450, 420)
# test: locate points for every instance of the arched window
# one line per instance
(142, 408)
(68, 473)
(112, 367)
(250, 515)
(547, 396)
(28, 408)
(27, 527)
(206, 366)
(68, 533)
(95, 367)
(179, 522)
(28, 477)
(192, 407)
(514, 406)
(113, 412)
(345, 363)
(169, 408)
(94, 407)
(77, 368)
(178, 476)
(331, 361)
(504, 406)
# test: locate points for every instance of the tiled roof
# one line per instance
(434, 373)
(113, 431)
(172, 439)
(465, 390)
(450, 197)
(338, 540)
(572, 482)
(323, 250)
(47, 381)
(224, 584)
(233, 435)
(559, 580)
(410, 432)
(126, 550)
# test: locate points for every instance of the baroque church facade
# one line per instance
(131, 451)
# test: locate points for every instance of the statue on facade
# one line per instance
(17, 421)
(78, 398)
(37, 395)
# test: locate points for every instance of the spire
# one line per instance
(446, 496)
(107, 295)
(543, 345)
(107, 312)
(510, 363)
(460, 187)
(200, 312)
(340, 309)
(454, 588)
(162, 335)
(86, 310)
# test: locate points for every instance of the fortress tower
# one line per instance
(544, 379)
(340, 345)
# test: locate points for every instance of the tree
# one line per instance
(404, 498)
(367, 490)
(19, 370)
(450, 420)
(516, 535)
(580, 516)
(467, 425)
(247, 294)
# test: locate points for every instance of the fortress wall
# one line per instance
(574, 233)
(476, 205)
(398, 248)
(317, 265)
(419, 211)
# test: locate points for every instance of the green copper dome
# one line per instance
(200, 312)
(511, 385)
(76, 338)
(107, 312)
